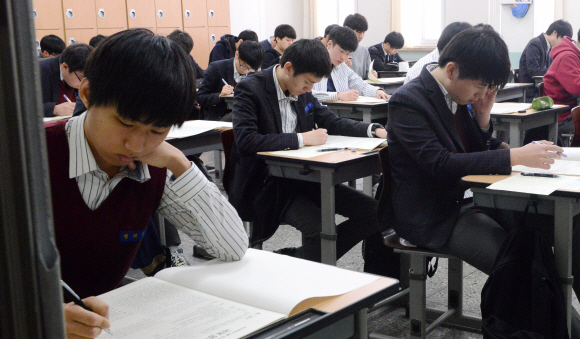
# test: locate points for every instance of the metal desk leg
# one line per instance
(217, 161)
(523, 98)
(366, 113)
(161, 228)
(328, 234)
(516, 135)
(553, 130)
(563, 223)
(360, 324)
(368, 181)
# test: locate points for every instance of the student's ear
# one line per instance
(329, 44)
(288, 68)
(452, 71)
(64, 67)
(237, 55)
(44, 54)
(84, 92)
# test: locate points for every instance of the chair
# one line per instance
(576, 118)
(516, 75)
(416, 285)
(541, 89)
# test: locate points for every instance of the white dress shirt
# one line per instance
(344, 80)
(287, 113)
(418, 66)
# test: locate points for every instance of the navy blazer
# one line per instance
(271, 58)
(428, 160)
(535, 59)
(208, 95)
(257, 125)
(380, 59)
(225, 48)
(50, 81)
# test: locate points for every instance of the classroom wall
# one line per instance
(571, 13)
(262, 16)
(378, 14)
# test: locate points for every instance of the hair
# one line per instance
(146, 77)
(480, 54)
(356, 22)
(308, 56)
(52, 44)
(183, 39)
(75, 56)
(96, 40)
(283, 31)
(344, 37)
(449, 32)
(395, 40)
(328, 29)
(562, 28)
(247, 35)
(252, 53)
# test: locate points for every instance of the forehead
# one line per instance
(306, 77)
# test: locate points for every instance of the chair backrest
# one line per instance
(227, 142)
(541, 89)
(516, 74)
(576, 118)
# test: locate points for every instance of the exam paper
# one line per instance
(532, 185)
(55, 118)
(509, 107)
(368, 99)
(195, 127)
(386, 80)
(334, 141)
(569, 165)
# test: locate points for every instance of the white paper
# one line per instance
(371, 76)
(334, 141)
(569, 165)
(573, 186)
(368, 99)
(509, 107)
(386, 80)
(195, 127)
(532, 185)
(55, 118)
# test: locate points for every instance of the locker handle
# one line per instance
(212, 38)
(71, 41)
(34, 13)
(69, 13)
(160, 14)
(101, 13)
(187, 14)
(132, 14)
(211, 13)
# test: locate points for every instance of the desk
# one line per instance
(517, 123)
(538, 79)
(562, 204)
(328, 170)
(359, 110)
(389, 87)
(229, 99)
(513, 91)
(392, 74)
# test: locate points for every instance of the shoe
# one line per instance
(177, 258)
(289, 251)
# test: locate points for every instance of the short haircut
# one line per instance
(328, 29)
(449, 32)
(356, 22)
(247, 35)
(562, 28)
(252, 53)
(480, 54)
(308, 56)
(395, 40)
(183, 39)
(344, 37)
(146, 77)
(52, 44)
(96, 40)
(75, 56)
(283, 31)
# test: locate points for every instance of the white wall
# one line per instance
(262, 16)
(378, 14)
(571, 13)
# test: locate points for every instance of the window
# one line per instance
(327, 12)
(419, 33)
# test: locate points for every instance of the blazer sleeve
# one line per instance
(534, 61)
(211, 87)
(48, 108)
(378, 64)
(398, 58)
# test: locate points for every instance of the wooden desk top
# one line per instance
(339, 157)
(517, 84)
(529, 111)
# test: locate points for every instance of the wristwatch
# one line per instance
(374, 127)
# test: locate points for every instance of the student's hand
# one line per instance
(315, 137)
(382, 95)
(349, 61)
(535, 155)
(483, 107)
(381, 133)
(64, 109)
(80, 323)
(226, 90)
(351, 95)
(165, 156)
(375, 74)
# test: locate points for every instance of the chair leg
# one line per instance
(418, 296)
(455, 286)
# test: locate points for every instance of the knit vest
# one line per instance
(97, 247)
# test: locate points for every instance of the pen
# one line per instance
(543, 175)
(225, 82)
(559, 153)
(68, 292)
(67, 99)
(332, 149)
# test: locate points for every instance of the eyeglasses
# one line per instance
(245, 67)
(80, 78)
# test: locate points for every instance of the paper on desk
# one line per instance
(569, 165)
(386, 80)
(55, 118)
(195, 127)
(371, 76)
(509, 107)
(334, 141)
(368, 99)
(532, 185)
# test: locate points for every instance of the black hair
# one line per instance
(96, 40)
(395, 40)
(308, 56)
(252, 53)
(328, 29)
(356, 22)
(247, 35)
(562, 28)
(344, 37)
(480, 54)
(146, 77)
(52, 44)
(183, 39)
(75, 56)
(283, 31)
(449, 32)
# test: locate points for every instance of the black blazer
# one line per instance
(225, 48)
(208, 95)
(380, 59)
(271, 58)
(535, 60)
(428, 160)
(50, 81)
(258, 127)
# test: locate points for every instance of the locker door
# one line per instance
(215, 33)
(43, 32)
(75, 36)
(47, 14)
(200, 51)
(194, 13)
(218, 12)
(168, 13)
(79, 14)
(111, 14)
(141, 13)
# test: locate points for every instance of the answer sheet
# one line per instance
(566, 165)
(509, 107)
(334, 141)
(195, 127)
(532, 185)
(385, 80)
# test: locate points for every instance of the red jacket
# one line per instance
(562, 81)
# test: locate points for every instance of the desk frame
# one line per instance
(352, 110)
(513, 92)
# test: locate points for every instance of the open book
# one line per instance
(217, 299)
(195, 127)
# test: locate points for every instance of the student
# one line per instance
(60, 79)
(448, 33)
(96, 40)
(284, 35)
(343, 84)
(275, 110)
(228, 44)
(51, 46)
(387, 52)
(248, 58)
(115, 170)
(324, 39)
(185, 40)
(268, 43)
(361, 59)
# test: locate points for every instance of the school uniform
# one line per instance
(535, 59)
(271, 58)
(361, 61)
(225, 48)
(208, 96)
(53, 86)
(266, 45)
(381, 58)
(342, 79)
(420, 64)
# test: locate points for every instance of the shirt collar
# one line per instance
(60, 71)
(450, 103)
(281, 94)
(79, 165)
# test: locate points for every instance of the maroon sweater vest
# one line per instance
(97, 247)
